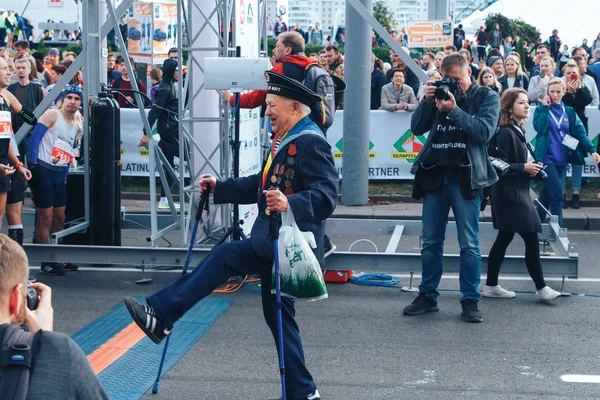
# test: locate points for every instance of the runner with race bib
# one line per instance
(50, 156)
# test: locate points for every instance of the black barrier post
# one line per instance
(105, 199)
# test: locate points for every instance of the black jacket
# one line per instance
(165, 109)
(579, 100)
(512, 206)
(378, 80)
(521, 81)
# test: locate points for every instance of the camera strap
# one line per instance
(524, 139)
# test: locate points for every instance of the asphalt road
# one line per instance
(358, 344)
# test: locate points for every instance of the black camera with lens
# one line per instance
(445, 86)
(33, 298)
(542, 175)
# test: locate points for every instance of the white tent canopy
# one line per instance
(574, 22)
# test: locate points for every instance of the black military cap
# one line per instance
(290, 88)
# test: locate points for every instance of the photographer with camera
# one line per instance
(561, 139)
(512, 208)
(450, 172)
(62, 370)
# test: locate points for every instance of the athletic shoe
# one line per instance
(69, 267)
(145, 317)
(470, 311)
(54, 269)
(329, 247)
(420, 305)
(544, 242)
(497, 291)
(164, 205)
(313, 396)
(547, 294)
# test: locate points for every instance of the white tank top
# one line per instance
(56, 146)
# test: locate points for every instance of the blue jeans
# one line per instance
(551, 195)
(232, 259)
(436, 207)
(576, 177)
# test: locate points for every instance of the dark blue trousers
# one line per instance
(551, 195)
(232, 259)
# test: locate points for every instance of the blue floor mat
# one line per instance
(134, 373)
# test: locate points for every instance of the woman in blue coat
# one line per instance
(561, 139)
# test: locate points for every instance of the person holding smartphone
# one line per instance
(538, 86)
(578, 96)
(560, 139)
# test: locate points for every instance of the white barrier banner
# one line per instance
(392, 147)
(134, 159)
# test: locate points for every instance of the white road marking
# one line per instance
(580, 378)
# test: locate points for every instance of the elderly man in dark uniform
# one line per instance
(300, 167)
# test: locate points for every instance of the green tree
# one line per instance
(383, 16)
(513, 27)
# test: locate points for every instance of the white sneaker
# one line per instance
(164, 205)
(497, 291)
(547, 294)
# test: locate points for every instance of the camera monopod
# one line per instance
(274, 232)
(202, 205)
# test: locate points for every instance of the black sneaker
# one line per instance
(145, 317)
(54, 269)
(329, 247)
(575, 202)
(420, 305)
(544, 242)
(69, 267)
(470, 311)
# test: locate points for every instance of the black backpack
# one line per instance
(18, 352)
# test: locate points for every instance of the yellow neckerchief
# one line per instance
(270, 160)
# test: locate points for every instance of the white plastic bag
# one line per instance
(299, 269)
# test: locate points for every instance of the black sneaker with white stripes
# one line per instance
(54, 269)
(328, 247)
(145, 317)
(69, 267)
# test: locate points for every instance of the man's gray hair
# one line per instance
(597, 54)
(305, 109)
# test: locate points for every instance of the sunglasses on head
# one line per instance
(73, 89)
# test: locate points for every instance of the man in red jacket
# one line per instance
(289, 50)
(290, 61)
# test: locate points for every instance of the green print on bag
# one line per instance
(300, 274)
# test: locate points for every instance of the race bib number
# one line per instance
(570, 142)
(62, 153)
(5, 125)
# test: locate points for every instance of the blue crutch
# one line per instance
(274, 231)
(202, 205)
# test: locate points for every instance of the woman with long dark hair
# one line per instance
(512, 207)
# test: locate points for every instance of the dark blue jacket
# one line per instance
(479, 121)
(314, 183)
